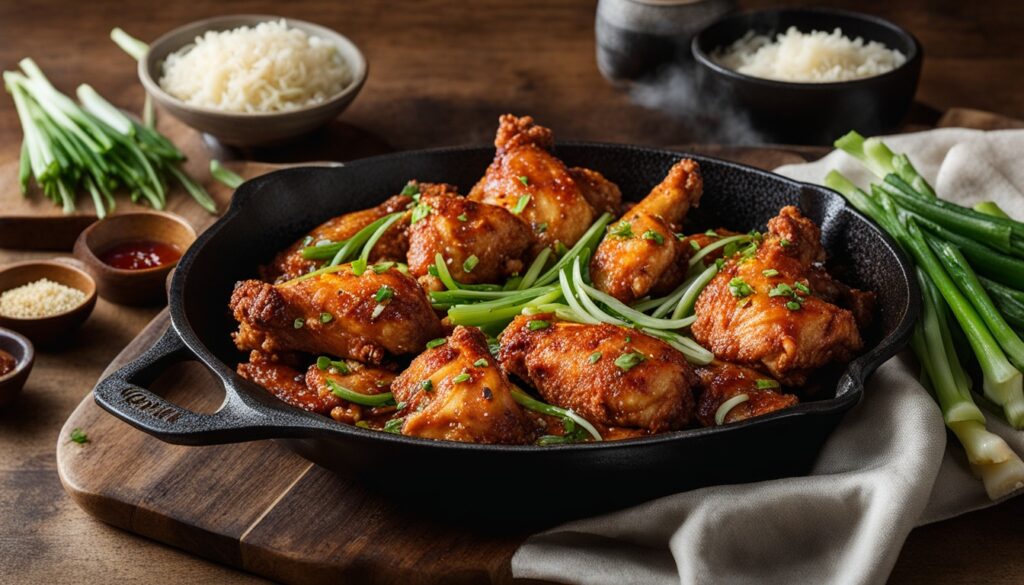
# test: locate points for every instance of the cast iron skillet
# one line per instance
(270, 212)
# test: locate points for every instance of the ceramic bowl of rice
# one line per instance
(808, 76)
(251, 80)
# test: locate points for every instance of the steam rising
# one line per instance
(674, 89)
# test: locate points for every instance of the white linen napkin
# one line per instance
(886, 468)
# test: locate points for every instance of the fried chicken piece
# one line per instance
(762, 311)
(720, 381)
(356, 317)
(697, 242)
(393, 245)
(460, 229)
(356, 377)
(457, 392)
(526, 175)
(610, 375)
(860, 303)
(603, 195)
(283, 381)
(641, 255)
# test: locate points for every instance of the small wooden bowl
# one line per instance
(24, 354)
(54, 328)
(132, 287)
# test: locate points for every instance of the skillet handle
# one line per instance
(241, 418)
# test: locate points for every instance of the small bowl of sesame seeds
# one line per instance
(46, 301)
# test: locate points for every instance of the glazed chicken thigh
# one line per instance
(457, 392)
(361, 317)
(762, 311)
(480, 243)
(532, 183)
(611, 375)
(641, 254)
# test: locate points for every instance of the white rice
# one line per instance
(814, 57)
(260, 69)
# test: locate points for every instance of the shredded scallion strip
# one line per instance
(728, 405)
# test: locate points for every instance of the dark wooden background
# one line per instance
(440, 73)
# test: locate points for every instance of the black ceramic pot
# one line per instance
(270, 212)
(809, 113)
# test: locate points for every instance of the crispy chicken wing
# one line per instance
(283, 381)
(762, 311)
(457, 392)
(356, 377)
(480, 243)
(528, 180)
(603, 195)
(357, 317)
(720, 381)
(289, 263)
(641, 255)
(611, 375)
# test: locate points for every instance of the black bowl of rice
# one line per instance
(251, 80)
(808, 76)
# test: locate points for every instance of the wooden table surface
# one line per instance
(441, 72)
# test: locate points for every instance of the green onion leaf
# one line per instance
(594, 357)
(298, 323)
(326, 317)
(770, 273)
(521, 204)
(764, 384)
(629, 360)
(470, 263)
(436, 342)
(654, 237)
(537, 324)
(524, 180)
(622, 230)
(481, 363)
(463, 377)
(354, 397)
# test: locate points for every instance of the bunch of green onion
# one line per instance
(91, 146)
(970, 266)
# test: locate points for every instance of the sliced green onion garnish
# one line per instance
(530, 403)
(629, 360)
(358, 398)
(728, 405)
(536, 324)
(766, 383)
(521, 204)
(436, 342)
(470, 263)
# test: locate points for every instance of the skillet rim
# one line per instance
(852, 378)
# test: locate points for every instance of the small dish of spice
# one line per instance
(130, 255)
(16, 358)
(45, 300)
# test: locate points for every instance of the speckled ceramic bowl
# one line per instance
(250, 129)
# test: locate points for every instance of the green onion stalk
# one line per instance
(994, 344)
(1001, 470)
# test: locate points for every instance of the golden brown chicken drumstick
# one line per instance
(641, 254)
(289, 263)
(457, 392)
(610, 375)
(720, 382)
(358, 317)
(558, 203)
(480, 243)
(762, 311)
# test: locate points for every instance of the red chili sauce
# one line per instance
(140, 254)
(7, 363)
